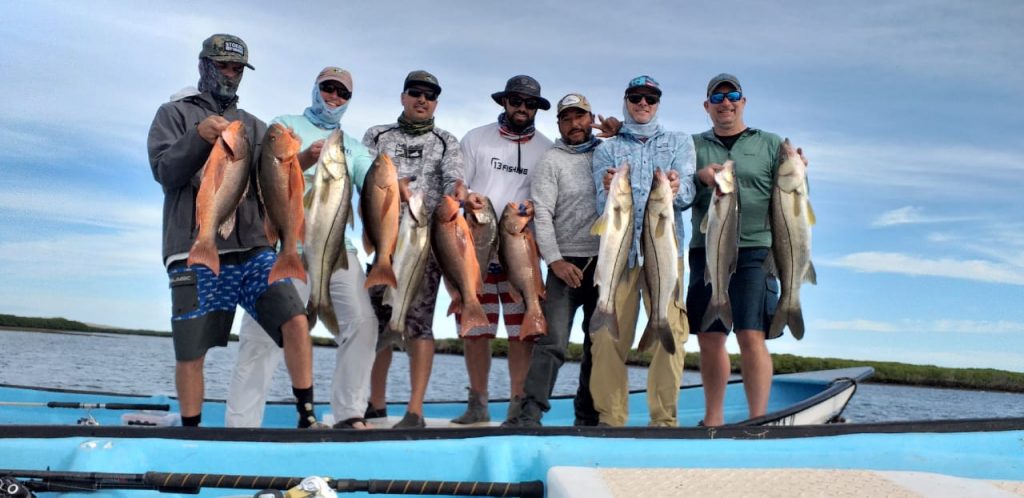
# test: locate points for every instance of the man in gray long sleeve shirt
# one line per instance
(565, 210)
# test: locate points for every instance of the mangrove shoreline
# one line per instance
(986, 379)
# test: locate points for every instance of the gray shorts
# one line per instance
(419, 320)
(753, 293)
(203, 304)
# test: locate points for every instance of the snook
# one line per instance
(791, 221)
(615, 227)
(721, 246)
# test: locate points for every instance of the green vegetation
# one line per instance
(63, 324)
(885, 372)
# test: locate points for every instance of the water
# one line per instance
(145, 365)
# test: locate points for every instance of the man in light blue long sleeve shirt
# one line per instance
(646, 147)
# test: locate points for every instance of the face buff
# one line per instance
(220, 86)
(321, 114)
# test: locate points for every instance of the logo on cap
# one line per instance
(230, 46)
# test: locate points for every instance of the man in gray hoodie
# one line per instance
(203, 303)
(565, 210)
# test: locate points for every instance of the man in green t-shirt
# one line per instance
(753, 292)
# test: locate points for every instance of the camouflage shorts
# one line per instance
(419, 320)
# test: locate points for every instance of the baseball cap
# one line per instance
(331, 73)
(723, 78)
(226, 48)
(573, 101)
(644, 81)
(421, 77)
(523, 85)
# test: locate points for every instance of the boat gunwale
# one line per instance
(335, 436)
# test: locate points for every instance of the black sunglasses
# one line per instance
(336, 89)
(636, 98)
(414, 93)
(516, 101)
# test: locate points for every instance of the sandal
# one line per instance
(350, 423)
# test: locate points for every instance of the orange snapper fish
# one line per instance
(281, 188)
(225, 179)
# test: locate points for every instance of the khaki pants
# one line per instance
(609, 384)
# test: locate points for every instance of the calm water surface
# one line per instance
(145, 365)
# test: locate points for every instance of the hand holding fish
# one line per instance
(608, 175)
(211, 128)
(475, 201)
(460, 192)
(707, 174)
(609, 126)
(673, 181)
(308, 157)
(404, 192)
(568, 272)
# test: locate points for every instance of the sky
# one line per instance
(909, 112)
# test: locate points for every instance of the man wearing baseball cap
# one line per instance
(422, 150)
(753, 292)
(357, 332)
(565, 209)
(647, 147)
(500, 161)
(180, 140)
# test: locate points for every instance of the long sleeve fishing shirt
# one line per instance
(433, 157)
(667, 151)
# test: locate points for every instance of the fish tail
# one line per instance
(471, 317)
(721, 312)
(388, 339)
(604, 320)
(311, 314)
(793, 318)
(381, 274)
(204, 252)
(533, 324)
(288, 265)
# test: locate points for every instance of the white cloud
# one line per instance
(904, 264)
(947, 326)
(912, 215)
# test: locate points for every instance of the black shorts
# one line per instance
(753, 293)
(203, 304)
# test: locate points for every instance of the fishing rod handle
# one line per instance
(109, 406)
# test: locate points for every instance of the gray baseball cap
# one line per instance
(723, 78)
(226, 48)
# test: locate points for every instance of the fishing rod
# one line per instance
(90, 406)
(56, 481)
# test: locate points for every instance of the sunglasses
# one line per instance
(338, 90)
(636, 98)
(718, 98)
(516, 101)
(414, 93)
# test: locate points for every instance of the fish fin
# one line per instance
(812, 275)
(812, 219)
(351, 220)
(307, 199)
(663, 223)
(310, 315)
(704, 224)
(327, 315)
(707, 275)
(204, 252)
(600, 225)
(389, 200)
(798, 205)
(227, 227)
(389, 297)
(456, 305)
(769, 265)
(288, 265)
(367, 243)
(381, 274)
(645, 339)
(296, 189)
(514, 293)
(270, 231)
